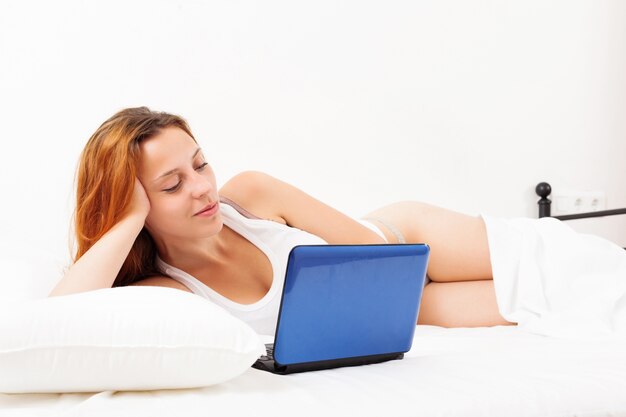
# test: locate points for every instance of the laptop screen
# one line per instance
(342, 301)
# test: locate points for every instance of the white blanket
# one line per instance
(554, 281)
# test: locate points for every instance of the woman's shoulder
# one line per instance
(253, 191)
(246, 179)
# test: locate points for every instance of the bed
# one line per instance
(495, 371)
(448, 372)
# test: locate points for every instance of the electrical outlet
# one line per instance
(578, 202)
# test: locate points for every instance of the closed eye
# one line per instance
(177, 186)
(172, 189)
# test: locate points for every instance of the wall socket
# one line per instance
(578, 202)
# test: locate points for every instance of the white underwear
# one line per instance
(393, 230)
(373, 228)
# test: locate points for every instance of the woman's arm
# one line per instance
(99, 266)
(271, 198)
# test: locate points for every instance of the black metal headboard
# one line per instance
(543, 190)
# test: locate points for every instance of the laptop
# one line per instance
(346, 305)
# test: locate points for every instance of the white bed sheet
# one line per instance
(498, 371)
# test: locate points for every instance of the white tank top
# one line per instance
(275, 240)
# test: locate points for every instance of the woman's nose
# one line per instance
(201, 185)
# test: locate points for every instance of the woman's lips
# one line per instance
(208, 210)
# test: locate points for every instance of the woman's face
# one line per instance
(180, 184)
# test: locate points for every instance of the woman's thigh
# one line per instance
(460, 304)
(458, 242)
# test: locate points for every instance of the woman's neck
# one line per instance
(189, 255)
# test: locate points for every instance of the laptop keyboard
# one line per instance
(269, 347)
(266, 362)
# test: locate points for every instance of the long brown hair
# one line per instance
(105, 182)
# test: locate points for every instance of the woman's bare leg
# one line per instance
(458, 243)
(462, 292)
(460, 304)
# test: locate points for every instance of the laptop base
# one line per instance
(267, 363)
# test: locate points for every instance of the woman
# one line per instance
(148, 212)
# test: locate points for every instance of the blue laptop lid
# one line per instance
(343, 301)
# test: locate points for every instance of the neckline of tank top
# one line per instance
(232, 224)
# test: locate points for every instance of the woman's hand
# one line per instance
(140, 204)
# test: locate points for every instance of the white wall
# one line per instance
(464, 104)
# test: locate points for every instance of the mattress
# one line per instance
(490, 371)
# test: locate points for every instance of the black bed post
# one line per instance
(543, 190)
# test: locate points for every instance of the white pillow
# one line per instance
(127, 338)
